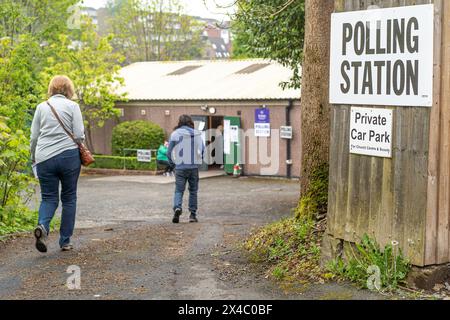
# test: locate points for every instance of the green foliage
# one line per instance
(314, 202)
(136, 135)
(35, 44)
(272, 29)
(41, 19)
(291, 248)
(392, 264)
(154, 30)
(93, 67)
(116, 162)
(16, 185)
(19, 80)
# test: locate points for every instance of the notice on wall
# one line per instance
(234, 133)
(286, 132)
(226, 137)
(262, 122)
(144, 155)
(383, 56)
(371, 132)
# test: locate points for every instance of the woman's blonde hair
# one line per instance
(61, 85)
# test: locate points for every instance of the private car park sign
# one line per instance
(383, 57)
(371, 132)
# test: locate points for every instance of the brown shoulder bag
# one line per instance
(86, 156)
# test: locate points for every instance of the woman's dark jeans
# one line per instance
(64, 168)
(181, 177)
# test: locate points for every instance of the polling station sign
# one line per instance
(144, 155)
(382, 57)
(371, 132)
(262, 122)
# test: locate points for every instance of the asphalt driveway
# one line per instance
(127, 247)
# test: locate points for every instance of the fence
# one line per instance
(405, 198)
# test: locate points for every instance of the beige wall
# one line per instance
(156, 112)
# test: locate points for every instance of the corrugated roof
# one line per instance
(213, 80)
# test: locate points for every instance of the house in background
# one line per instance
(228, 93)
(218, 39)
(216, 34)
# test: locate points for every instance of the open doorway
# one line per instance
(216, 123)
(205, 123)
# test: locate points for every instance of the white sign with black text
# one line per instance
(144, 155)
(383, 56)
(286, 132)
(262, 129)
(371, 132)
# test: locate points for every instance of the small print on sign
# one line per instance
(262, 129)
(286, 132)
(144, 155)
(371, 132)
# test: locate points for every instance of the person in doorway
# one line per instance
(162, 160)
(185, 152)
(219, 141)
(56, 157)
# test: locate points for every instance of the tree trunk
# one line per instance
(315, 97)
(89, 140)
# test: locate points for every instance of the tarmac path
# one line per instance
(127, 248)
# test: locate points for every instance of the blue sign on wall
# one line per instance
(262, 122)
(262, 115)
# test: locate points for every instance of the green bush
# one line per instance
(136, 135)
(116, 162)
(16, 185)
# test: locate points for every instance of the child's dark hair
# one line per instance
(185, 120)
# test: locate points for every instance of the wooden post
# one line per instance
(406, 198)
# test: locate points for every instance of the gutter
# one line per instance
(288, 141)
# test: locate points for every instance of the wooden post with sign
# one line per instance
(394, 186)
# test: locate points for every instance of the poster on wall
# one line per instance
(382, 56)
(234, 133)
(262, 122)
(371, 132)
(226, 137)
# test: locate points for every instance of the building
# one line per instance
(218, 93)
(92, 13)
(217, 37)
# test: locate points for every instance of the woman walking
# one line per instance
(57, 159)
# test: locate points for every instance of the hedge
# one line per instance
(136, 135)
(115, 162)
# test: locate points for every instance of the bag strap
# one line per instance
(70, 134)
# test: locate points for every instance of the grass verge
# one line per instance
(290, 248)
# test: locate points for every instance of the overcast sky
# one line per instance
(192, 7)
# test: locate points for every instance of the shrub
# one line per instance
(16, 184)
(116, 162)
(136, 135)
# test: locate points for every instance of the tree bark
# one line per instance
(315, 115)
(89, 140)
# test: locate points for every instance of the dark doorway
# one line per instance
(205, 123)
(216, 123)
